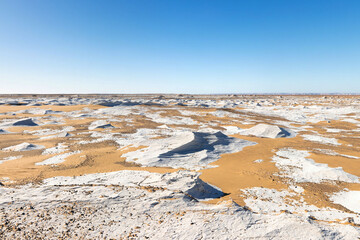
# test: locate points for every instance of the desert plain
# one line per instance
(179, 166)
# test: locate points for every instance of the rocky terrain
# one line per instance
(179, 167)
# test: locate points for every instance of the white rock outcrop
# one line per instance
(268, 131)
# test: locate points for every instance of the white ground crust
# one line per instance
(186, 181)
(87, 207)
(265, 200)
(56, 159)
(59, 148)
(333, 153)
(295, 165)
(46, 131)
(304, 114)
(320, 139)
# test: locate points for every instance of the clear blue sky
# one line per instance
(179, 46)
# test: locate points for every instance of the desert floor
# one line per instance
(179, 167)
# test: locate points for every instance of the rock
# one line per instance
(2, 131)
(100, 124)
(187, 150)
(24, 122)
(63, 134)
(23, 147)
(268, 131)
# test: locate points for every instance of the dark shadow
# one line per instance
(202, 141)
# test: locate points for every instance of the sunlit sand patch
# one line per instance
(349, 165)
(238, 171)
(56, 159)
(10, 158)
(92, 159)
(98, 158)
(23, 169)
(334, 124)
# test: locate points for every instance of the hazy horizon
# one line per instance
(185, 47)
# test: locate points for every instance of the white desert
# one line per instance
(180, 167)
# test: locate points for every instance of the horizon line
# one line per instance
(185, 94)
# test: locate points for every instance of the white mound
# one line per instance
(59, 135)
(230, 130)
(100, 124)
(2, 131)
(268, 131)
(23, 147)
(295, 165)
(63, 134)
(27, 122)
(188, 150)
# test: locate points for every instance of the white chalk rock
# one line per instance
(188, 150)
(25, 122)
(2, 131)
(268, 131)
(100, 124)
(23, 147)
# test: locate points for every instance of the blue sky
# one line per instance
(153, 46)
